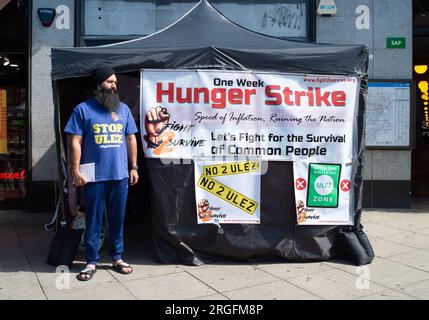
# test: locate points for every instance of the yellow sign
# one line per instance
(3, 122)
(231, 168)
(227, 194)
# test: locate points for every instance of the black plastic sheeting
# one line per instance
(205, 39)
(179, 238)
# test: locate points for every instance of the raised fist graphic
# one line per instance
(302, 215)
(203, 206)
(156, 120)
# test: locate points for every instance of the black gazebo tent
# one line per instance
(205, 39)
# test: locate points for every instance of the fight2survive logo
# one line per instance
(207, 213)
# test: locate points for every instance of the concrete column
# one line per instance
(43, 151)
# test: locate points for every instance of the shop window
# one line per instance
(13, 142)
(113, 21)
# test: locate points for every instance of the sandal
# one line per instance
(120, 266)
(86, 272)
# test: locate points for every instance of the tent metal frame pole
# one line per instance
(60, 152)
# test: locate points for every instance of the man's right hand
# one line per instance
(78, 179)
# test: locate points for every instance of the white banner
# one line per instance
(218, 115)
(200, 113)
(323, 193)
(228, 191)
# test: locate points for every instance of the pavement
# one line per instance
(400, 270)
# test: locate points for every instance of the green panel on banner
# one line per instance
(323, 181)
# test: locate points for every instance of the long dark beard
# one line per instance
(109, 100)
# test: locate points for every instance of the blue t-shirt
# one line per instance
(103, 137)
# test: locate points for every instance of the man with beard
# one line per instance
(102, 134)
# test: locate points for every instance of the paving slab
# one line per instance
(38, 296)
(399, 220)
(387, 273)
(30, 230)
(4, 220)
(419, 290)
(54, 281)
(424, 231)
(409, 238)
(394, 275)
(404, 221)
(32, 217)
(18, 285)
(38, 265)
(384, 248)
(9, 238)
(175, 286)
(217, 296)
(103, 291)
(387, 295)
(225, 277)
(380, 230)
(145, 268)
(278, 290)
(418, 259)
(290, 270)
(336, 285)
(15, 262)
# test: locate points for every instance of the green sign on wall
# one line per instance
(395, 43)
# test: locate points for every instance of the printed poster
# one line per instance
(228, 191)
(3, 122)
(322, 193)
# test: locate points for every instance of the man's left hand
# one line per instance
(134, 177)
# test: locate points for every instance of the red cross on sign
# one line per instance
(345, 185)
(300, 184)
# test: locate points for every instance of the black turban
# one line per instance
(101, 74)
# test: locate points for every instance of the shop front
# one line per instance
(13, 106)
